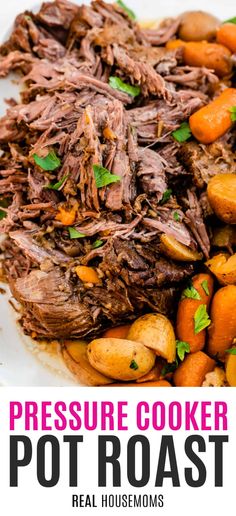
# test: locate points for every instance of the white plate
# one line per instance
(21, 362)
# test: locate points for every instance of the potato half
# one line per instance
(177, 251)
(156, 332)
(223, 267)
(76, 359)
(221, 191)
(120, 359)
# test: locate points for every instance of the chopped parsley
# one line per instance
(205, 287)
(201, 319)
(166, 196)
(169, 368)
(231, 20)
(75, 234)
(2, 214)
(117, 84)
(231, 351)
(233, 113)
(133, 365)
(126, 9)
(191, 293)
(182, 348)
(56, 186)
(176, 216)
(49, 162)
(103, 177)
(97, 243)
(183, 133)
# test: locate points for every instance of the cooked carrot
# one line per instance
(159, 383)
(172, 44)
(223, 321)
(120, 332)
(187, 308)
(87, 274)
(213, 120)
(67, 217)
(226, 35)
(201, 53)
(193, 369)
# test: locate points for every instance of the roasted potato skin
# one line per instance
(120, 359)
(221, 192)
(156, 332)
(198, 26)
(223, 266)
(75, 356)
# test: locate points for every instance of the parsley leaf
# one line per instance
(117, 84)
(103, 177)
(133, 365)
(205, 287)
(176, 216)
(233, 113)
(182, 348)
(183, 133)
(2, 214)
(166, 196)
(201, 319)
(75, 234)
(169, 368)
(231, 20)
(49, 162)
(126, 9)
(231, 351)
(56, 186)
(191, 293)
(97, 243)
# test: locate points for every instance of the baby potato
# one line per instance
(231, 369)
(198, 26)
(221, 191)
(224, 237)
(76, 359)
(120, 359)
(177, 251)
(156, 332)
(223, 267)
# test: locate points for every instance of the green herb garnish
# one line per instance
(183, 133)
(169, 368)
(117, 84)
(201, 319)
(231, 20)
(103, 177)
(50, 162)
(182, 348)
(176, 216)
(231, 351)
(126, 9)
(166, 196)
(233, 113)
(133, 365)
(97, 243)
(56, 186)
(205, 287)
(75, 234)
(191, 293)
(2, 214)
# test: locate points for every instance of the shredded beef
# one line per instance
(65, 55)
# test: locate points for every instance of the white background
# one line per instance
(31, 499)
